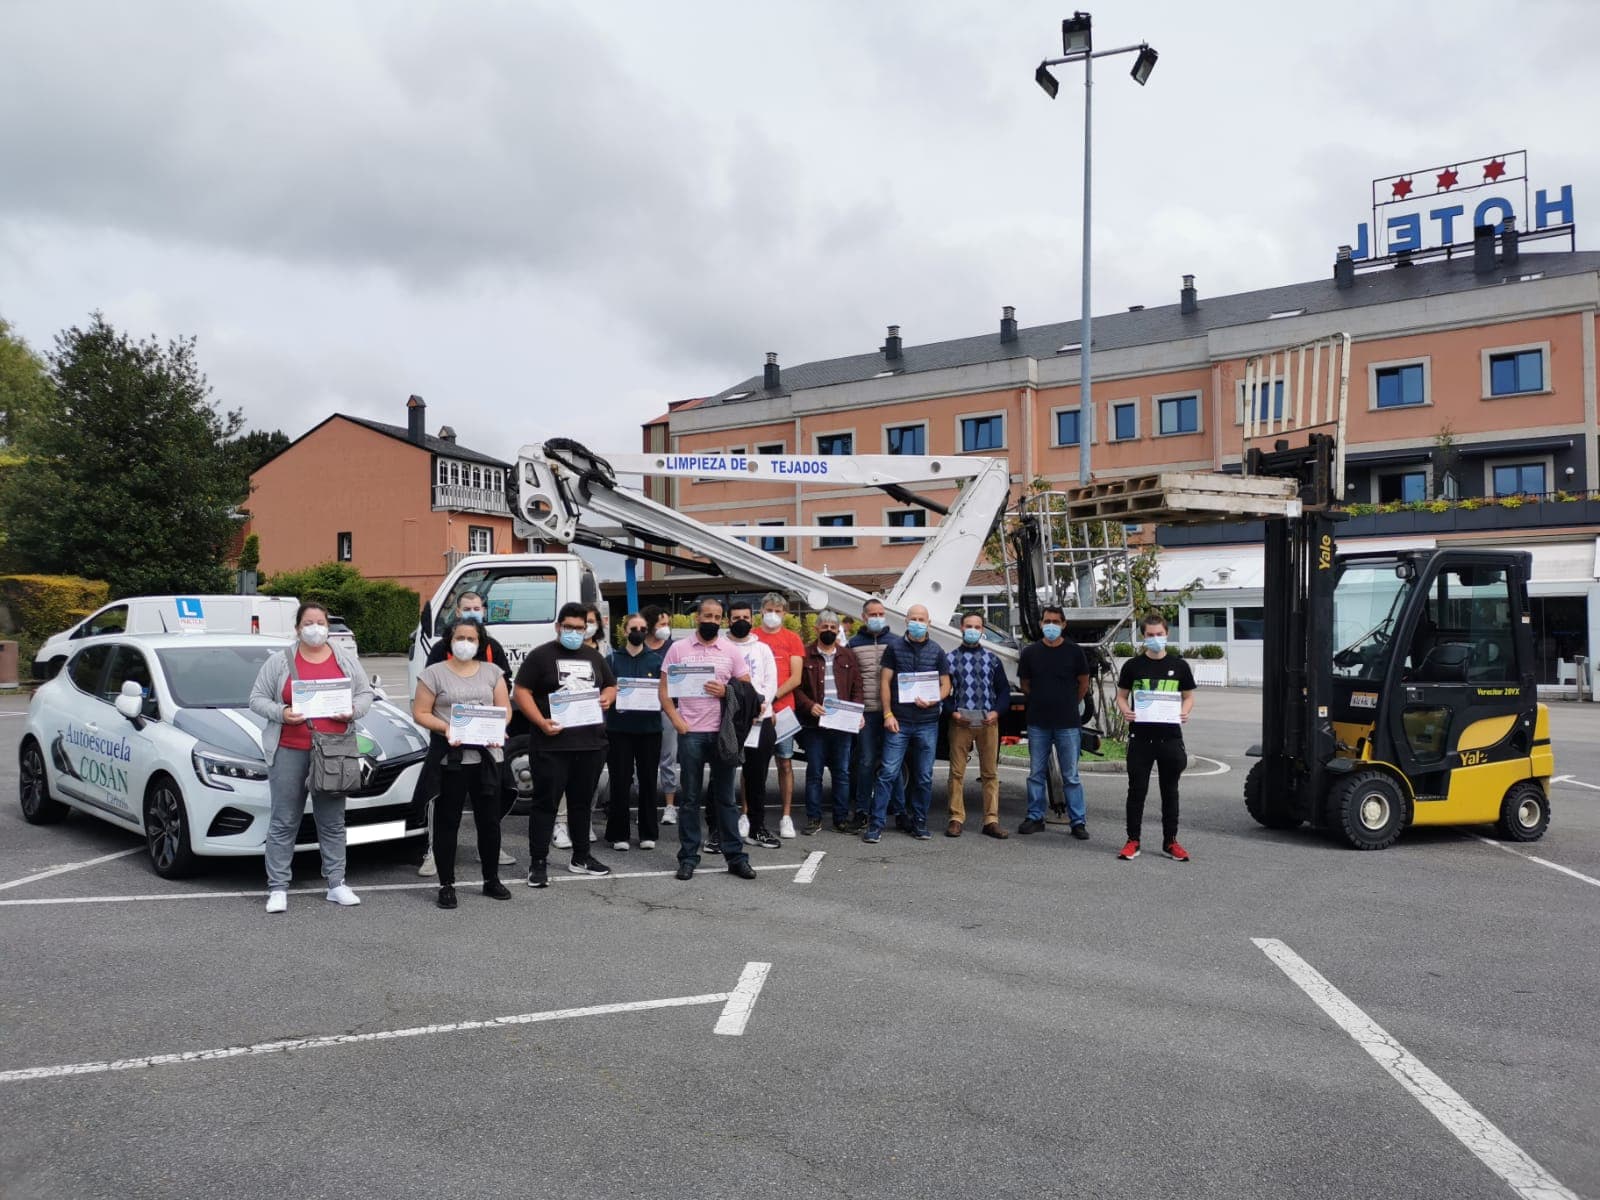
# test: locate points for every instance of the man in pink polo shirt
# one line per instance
(704, 664)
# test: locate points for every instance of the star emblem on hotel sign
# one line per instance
(1494, 169)
(1402, 188)
(1448, 178)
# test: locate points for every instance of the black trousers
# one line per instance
(630, 757)
(1169, 756)
(756, 761)
(557, 773)
(459, 786)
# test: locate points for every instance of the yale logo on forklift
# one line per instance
(1325, 553)
(1473, 758)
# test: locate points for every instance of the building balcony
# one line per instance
(454, 497)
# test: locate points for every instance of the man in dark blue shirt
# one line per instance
(913, 686)
(1055, 677)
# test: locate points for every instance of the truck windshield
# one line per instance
(1367, 602)
(511, 595)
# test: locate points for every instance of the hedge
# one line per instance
(381, 614)
(43, 605)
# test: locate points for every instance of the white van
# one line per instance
(272, 616)
(522, 593)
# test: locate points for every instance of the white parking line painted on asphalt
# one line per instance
(1543, 862)
(1593, 787)
(1222, 768)
(65, 867)
(1475, 1131)
(260, 894)
(808, 869)
(735, 1013)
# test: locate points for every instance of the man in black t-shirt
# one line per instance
(567, 758)
(1151, 742)
(1055, 678)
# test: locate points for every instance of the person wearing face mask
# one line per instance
(286, 745)
(979, 693)
(634, 737)
(568, 761)
(659, 620)
(1154, 743)
(831, 673)
(788, 652)
(468, 773)
(764, 678)
(1055, 678)
(868, 646)
(469, 607)
(911, 726)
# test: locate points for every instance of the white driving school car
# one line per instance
(153, 733)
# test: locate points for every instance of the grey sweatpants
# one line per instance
(667, 776)
(287, 778)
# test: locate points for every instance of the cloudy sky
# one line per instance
(552, 218)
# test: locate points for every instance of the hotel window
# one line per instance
(1519, 479)
(770, 448)
(836, 443)
(831, 542)
(1258, 401)
(770, 543)
(1178, 414)
(480, 539)
(906, 518)
(1067, 427)
(1125, 421)
(1516, 372)
(983, 433)
(1399, 387)
(1402, 487)
(906, 439)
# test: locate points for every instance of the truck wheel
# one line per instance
(166, 830)
(1524, 813)
(1369, 808)
(33, 790)
(1255, 800)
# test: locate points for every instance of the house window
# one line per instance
(770, 543)
(906, 439)
(346, 550)
(831, 542)
(770, 448)
(1178, 414)
(983, 433)
(993, 605)
(1257, 400)
(836, 443)
(480, 539)
(443, 472)
(455, 474)
(907, 518)
(1519, 479)
(1067, 427)
(1125, 421)
(1518, 371)
(1402, 486)
(1399, 387)
(1249, 624)
(1208, 624)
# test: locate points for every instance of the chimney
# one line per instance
(1510, 250)
(1008, 324)
(1483, 249)
(1188, 299)
(769, 375)
(447, 434)
(891, 344)
(416, 418)
(1344, 269)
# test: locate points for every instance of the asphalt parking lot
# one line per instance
(954, 1018)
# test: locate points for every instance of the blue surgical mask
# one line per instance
(571, 639)
(972, 636)
(916, 630)
(1155, 643)
(877, 624)
(1051, 631)
(472, 614)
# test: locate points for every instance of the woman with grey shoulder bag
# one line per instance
(313, 755)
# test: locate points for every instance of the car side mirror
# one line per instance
(130, 702)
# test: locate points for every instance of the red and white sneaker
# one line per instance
(1175, 852)
(1130, 851)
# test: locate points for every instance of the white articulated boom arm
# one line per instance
(559, 484)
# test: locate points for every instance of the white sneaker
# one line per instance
(507, 860)
(744, 827)
(277, 901)
(563, 839)
(620, 845)
(427, 870)
(647, 844)
(786, 827)
(342, 895)
(669, 815)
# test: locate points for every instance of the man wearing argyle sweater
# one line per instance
(979, 693)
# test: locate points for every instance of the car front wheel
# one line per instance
(166, 830)
(38, 806)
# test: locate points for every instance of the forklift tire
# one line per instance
(1369, 808)
(1255, 800)
(1524, 813)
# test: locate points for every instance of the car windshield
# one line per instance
(213, 676)
(1366, 604)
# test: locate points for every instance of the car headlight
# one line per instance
(223, 770)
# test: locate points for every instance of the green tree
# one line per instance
(23, 381)
(126, 474)
(250, 450)
(250, 553)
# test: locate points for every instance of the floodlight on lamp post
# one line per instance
(1077, 45)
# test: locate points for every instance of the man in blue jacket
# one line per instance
(913, 686)
(979, 693)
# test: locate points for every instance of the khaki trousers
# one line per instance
(962, 738)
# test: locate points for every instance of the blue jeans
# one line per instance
(696, 752)
(915, 745)
(831, 749)
(869, 759)
(1065, 743)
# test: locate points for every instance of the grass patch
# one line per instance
(1110, 751)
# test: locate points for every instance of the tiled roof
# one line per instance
(430, 443)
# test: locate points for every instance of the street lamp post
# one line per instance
(1077, 46)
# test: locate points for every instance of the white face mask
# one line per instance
(464, 650)
(314, 635)
(772, 621)
(588, 630)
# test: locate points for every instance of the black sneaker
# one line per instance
(1031, 826)
(1081, 832)
(844, 826)
(588, 866)
(539, 875)
(766, 841)
(812, 827)
(857, 822)
(447, 896)
(495, 890)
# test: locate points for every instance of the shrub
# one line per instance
(46, 604)
(250, 555)
(1122, 649)
(381, 614)
(1361, 510)
(1212, 651)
